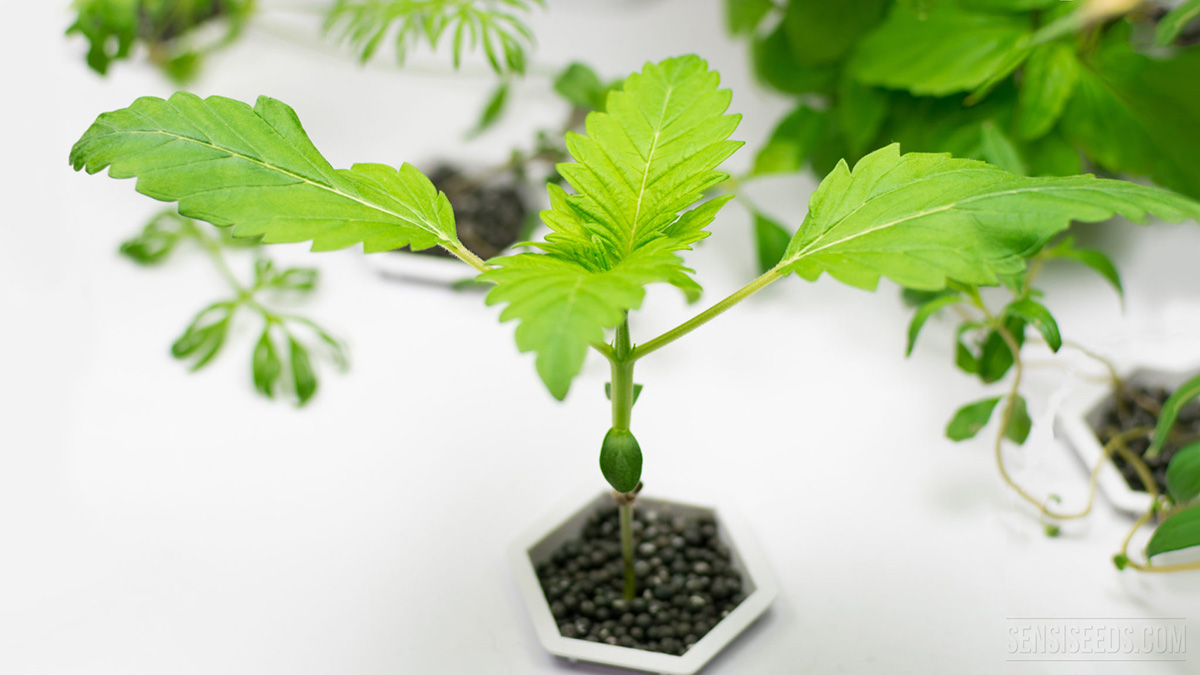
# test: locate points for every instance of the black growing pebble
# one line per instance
(686, 580)
(1132, 411)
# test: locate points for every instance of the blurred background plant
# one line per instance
(1041, 87)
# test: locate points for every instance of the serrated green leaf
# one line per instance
(743, 16)
(1048, 81)
(1035, 314)
(920, 219)
(1178, 531)
(1133, 114)
(771, 240)
(1173, 22)
(255, 169)
(1019, 423)
(563, 307)
(922, 315)
(1183, 474)
(493, 110)
(1183, 394)
(304, 379)
(644, 163)
(997, 148)
(970, 419)
(266, 365)
(792, 141)
(949, 50)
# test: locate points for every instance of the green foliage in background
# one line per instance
(114, 29)
(282, 361)
(496, 27)
(1064, 90)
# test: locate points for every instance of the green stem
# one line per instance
(626, 511)
(622, 412)
(709, 314)
(464, 254)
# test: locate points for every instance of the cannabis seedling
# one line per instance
(639, 177)
(281, 362)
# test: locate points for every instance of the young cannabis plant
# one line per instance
(282, 361)
(638, 179)
(493, 25)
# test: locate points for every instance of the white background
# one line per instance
(153, 521)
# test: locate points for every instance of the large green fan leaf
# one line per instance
(650, 156)
(920, 219)
(946, 51)
(255, 169)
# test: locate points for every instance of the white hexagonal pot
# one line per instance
(567, 522)
(1082, 409)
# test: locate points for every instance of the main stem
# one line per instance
(622, 410)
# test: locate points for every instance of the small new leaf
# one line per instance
(922, 315)
(304, 380)
(1035, 314)
(1183, 395)
(1098, 261)
(266, 365)
(157, 240)
(1183, 474)
(492, 111)
(1019, 423)
(1179, 531)
(645, 161)
(970, 419)
(637, 391)
(204, 335)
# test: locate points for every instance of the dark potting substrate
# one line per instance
(1139, 407)
(686, 582)
(488, 216)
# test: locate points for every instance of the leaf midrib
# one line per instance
(808, 251)
(646, 170)
(328, 188)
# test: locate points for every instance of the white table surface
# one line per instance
(153, 521)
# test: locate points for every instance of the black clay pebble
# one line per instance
(686, 582)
